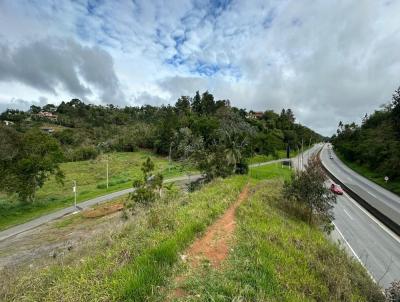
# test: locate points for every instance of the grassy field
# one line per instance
(91, 182)
(275, 256)
(391, 185)
(270, 171)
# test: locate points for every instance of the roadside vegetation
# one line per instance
(391, 185)
(373, 149)
(275, 255)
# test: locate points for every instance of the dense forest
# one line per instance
(376, 143)
(211, 134)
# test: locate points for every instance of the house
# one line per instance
(8, 123)
(255, 115)
(47, 115)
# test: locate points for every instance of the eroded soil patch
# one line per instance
(213, 246)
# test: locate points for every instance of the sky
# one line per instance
(328, 61)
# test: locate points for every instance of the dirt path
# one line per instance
(214, 245)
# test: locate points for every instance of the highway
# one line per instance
(363, 235)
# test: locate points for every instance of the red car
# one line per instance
(336, 189)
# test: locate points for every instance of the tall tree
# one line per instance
(196, 103)
(182, 105)
(34, 158)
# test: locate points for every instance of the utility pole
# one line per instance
(74, 190)
(169, 156)
(107, 170)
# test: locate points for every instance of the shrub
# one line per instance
(83, 153)
(307, 188)
(392, 293)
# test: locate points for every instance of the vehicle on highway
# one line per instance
(330, 156)
(337, 189)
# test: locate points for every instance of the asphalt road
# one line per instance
(92, 202)
(83, 205)
(381, 199)
(364, 237)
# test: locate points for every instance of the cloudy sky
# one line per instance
(327, 60)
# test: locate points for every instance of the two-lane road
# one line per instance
(364, 236)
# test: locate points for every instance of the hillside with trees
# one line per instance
(375, 145)
(210, 134)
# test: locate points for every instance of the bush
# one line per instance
(307, 188)
(83, 153)
(393, 292)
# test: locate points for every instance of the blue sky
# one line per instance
(328, 61)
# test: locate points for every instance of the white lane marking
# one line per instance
(348, 214)
(371, 194)
(385, 228)
(354, 253)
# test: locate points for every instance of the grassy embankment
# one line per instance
(91, 181)
(391, 185)
(275, 256)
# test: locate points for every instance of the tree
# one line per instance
(35, 109)
(196, 103)
(147, 189)
(395, 111)
(27, 161)
(225, 150)
(308, 189)
(182, 105)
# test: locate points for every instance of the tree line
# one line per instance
(376, 142)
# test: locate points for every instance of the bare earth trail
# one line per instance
(215, 244)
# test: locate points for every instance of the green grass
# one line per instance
(276, 257)
(270, 171)
(391, 185)
(131, 264)
(91, 181)
(260, 158)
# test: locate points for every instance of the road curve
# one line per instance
(379, 200)
(367, 239)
